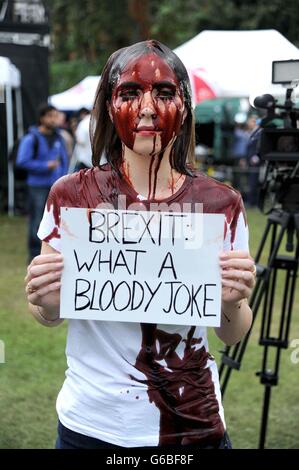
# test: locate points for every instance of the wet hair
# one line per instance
(44, 109)
(104, 137)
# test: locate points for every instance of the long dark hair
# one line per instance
(103, 134)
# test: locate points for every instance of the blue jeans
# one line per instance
(37, 197)
(68, 439)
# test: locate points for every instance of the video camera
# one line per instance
(278, 143)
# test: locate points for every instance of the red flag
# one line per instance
(202, 90)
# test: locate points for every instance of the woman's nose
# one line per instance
(147, 106)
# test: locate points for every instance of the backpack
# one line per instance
(20, 174)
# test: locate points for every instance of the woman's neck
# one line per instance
(151, 176)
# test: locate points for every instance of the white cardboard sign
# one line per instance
(141, 266)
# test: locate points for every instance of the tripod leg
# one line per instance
(264, 423)
(269, 377)
(232, 356)
(228, 359)
(265, 290)
(232, 360)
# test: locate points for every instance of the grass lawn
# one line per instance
(35, 363)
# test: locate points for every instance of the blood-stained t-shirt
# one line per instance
(135, 384)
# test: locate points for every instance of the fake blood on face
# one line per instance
(147, 108)
(147, 103)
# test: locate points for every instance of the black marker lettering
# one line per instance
(110, 225)
(121, 263)
(80, 293)
(146, 229)
(171, 266)
(136, 254)
(173, 218)
(121, 296)
(175, 300)
(171, 295)
(96, 228)
(153, 293)
(206, 299)
(92, 297)
(160, 230)
(102, 293)
(84, 265)
(125, 228)
(103, 261)
(135, 306)
(193, 300)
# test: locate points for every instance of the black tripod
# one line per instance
(280, 223)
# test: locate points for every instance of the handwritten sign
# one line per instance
(139, 266)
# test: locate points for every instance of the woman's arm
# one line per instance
(43, 286)
(238, 279)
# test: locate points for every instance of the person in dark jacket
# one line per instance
(43, 155)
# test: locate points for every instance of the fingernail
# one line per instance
(223, 255)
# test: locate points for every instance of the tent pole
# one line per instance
(19, 112)
(10, 141)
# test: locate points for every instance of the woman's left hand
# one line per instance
(238, 276)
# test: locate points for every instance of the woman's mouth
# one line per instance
(147, 130)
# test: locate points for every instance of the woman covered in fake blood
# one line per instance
(130, 384)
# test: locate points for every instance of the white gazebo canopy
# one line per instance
(81, 95)
(238, 63)
(10, 82)
(9, 74)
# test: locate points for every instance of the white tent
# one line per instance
(79, 96)
(237, 63)
(10, 82)
(9, 75)
(220, 64)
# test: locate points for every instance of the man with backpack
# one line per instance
(43, 155)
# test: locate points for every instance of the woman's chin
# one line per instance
(147, 153)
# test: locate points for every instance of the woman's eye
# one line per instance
(165, 94)
(128, 95)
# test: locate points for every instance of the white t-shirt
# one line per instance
(82, 148)
(140, 385)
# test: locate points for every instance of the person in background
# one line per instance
(82, 113)
(43, 155)
(81, 158)
(254, 161)
(82, 154)
(136, 384)
(239, 154)
(65, 133)
(73, 124)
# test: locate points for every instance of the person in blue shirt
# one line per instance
(43, 155)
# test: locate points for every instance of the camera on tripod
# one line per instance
(278, 142)
(278, 146)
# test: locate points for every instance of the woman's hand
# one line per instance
(238, 276)
(238, 279)
(43, 281)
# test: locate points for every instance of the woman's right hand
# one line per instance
(43, 281)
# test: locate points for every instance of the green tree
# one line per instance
(86, 32)
(176, 21)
